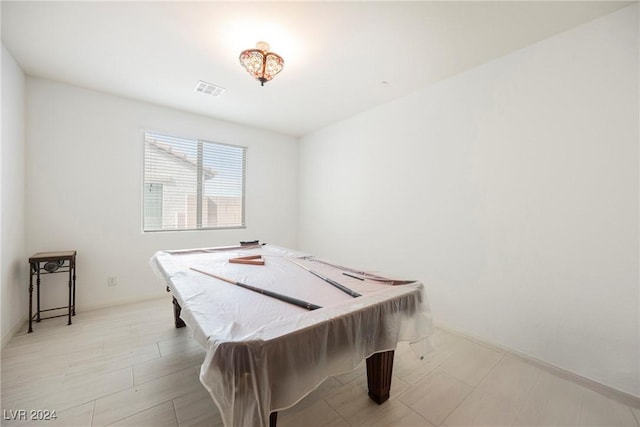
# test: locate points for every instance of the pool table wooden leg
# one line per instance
(379, 369)
(176, 314)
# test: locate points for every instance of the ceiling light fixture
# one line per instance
(260, 63)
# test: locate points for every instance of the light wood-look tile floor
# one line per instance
(129, 366)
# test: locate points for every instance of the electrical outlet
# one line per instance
(112, 281)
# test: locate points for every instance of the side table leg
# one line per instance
(70, 290)
(30, 298)
(38, 292)
(74, 287)
(176, 314)
(273, 419)
(379, 370)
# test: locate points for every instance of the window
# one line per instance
(190, 184)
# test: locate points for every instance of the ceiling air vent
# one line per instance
(209, 89)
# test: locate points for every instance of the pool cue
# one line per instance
(285, 298)
(364, 274)
(351, 275)
(326, 279)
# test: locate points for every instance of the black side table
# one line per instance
(50, 263)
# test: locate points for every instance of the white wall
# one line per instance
(13, 262)
(84, 188)
(511, 190)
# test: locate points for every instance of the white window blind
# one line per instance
(190, 184)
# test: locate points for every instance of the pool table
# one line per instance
(263, 353)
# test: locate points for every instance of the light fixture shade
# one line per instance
(260, 63)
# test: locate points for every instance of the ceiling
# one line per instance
(341, 58)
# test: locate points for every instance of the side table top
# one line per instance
(52, 256)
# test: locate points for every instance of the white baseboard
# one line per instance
(85, 308)
(619, 395)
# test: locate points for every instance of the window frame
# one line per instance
(200, 196)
